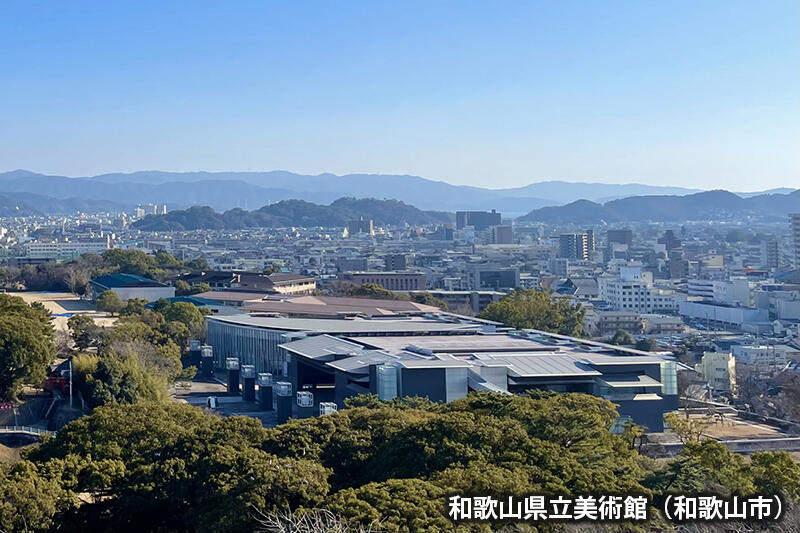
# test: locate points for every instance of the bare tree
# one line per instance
(316, 521)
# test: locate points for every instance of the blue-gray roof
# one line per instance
(118, 281)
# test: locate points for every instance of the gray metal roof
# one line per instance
(348, 326)
(317, 346)
(540, 365)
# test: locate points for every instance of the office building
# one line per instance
(480, 220)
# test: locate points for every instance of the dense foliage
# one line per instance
(530, 309)
(26, 344)
(169, 467)
(139, 357)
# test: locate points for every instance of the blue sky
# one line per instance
(693, 93)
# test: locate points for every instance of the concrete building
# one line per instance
(719, 316)
(275, 283)
(770, 256)
(359, 227)
(444, 358)
(393, 281)
(574, 246)
(795, 223)
(501, 235)
(129, 286)
(764, 359)
(65, 249)
(719, 371)
(487, 276)
(394, 262)
(480, 220)
(633, 290)
(603, 323)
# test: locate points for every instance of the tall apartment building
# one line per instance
(575, 245)
(770, 257)
(795, 221)
(480, 220)
(501, 235)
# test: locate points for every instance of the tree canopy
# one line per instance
(26, 344)
(530, 309)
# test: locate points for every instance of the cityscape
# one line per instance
(225, 346)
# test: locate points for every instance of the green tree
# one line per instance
(776, 473)
(397, 505)
(647, 345)
(530, 309)
(189, 315)
(109, 302)
(134, 306)
(29, 498)
(26, 344)
(182, 288)
(84, 331)
(622, 338)
(129, 261)
(181, 470)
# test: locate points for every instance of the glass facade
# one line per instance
(253, 346)
(669, 378)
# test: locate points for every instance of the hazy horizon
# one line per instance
(683, 94)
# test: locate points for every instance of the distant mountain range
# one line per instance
(294, 213)
(225, 190)
(708, 205)
(250, 190)
(24, 204)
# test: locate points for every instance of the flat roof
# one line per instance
(549, 365)
(453, 344)
(347, 326)
(317, 346)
